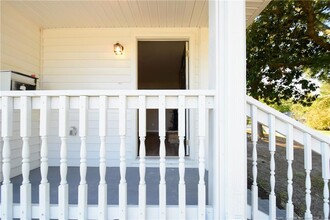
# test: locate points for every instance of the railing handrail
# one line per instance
(107, 93)
(269, 110)
(113, 96)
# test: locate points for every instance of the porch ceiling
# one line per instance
(122, 13)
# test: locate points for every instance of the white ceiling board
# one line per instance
(203, 22)
(162, 14)
(135, 12)
(171, 13)
(121, 13)
(121, 17)
(198, 8)
(144, 9)
(188, 13)
(154, 18)
(180, 8)
(124, 5)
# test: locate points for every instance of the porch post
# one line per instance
(227, 76)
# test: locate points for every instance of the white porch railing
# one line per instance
(293, 131)
(102, 101)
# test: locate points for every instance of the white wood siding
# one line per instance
(84, 59)
(20, 42)
(20, 51)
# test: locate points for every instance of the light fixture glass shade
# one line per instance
(118, 48)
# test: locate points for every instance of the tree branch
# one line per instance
(291, 64)
(311, 24)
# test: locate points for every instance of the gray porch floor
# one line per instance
(112, 178)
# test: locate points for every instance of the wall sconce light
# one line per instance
(118, 48)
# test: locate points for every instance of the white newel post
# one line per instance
(228, 76)
(25, 189)
(6, 133)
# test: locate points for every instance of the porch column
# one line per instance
(227, 76)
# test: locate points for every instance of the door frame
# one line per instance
(166, 34)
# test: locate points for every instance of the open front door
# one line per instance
(162, 65)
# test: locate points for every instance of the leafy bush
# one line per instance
(318, 115)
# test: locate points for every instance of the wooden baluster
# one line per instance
(289, 157)
(25, 189)
(182, 133)
(44, 184)
(83, 187)
(201, 165)
(254, 137)
(162, 161)
(142, 153)
(102, 190)
(122, 183)
(325, 176)
(6, 133)
(63, 195)
(272, 149)
(308, 168)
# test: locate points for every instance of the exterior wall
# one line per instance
(81, 59)
(20, 51)
(84, 59)
(20, 42)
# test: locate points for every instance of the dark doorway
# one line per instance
(162, 65)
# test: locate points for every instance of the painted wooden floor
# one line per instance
(113, 177)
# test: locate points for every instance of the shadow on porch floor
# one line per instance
(112, 178)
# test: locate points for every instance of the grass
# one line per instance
(326, 132)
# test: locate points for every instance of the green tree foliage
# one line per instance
(289, 39)
(284, 107)
(318, 114)
(325, 90)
